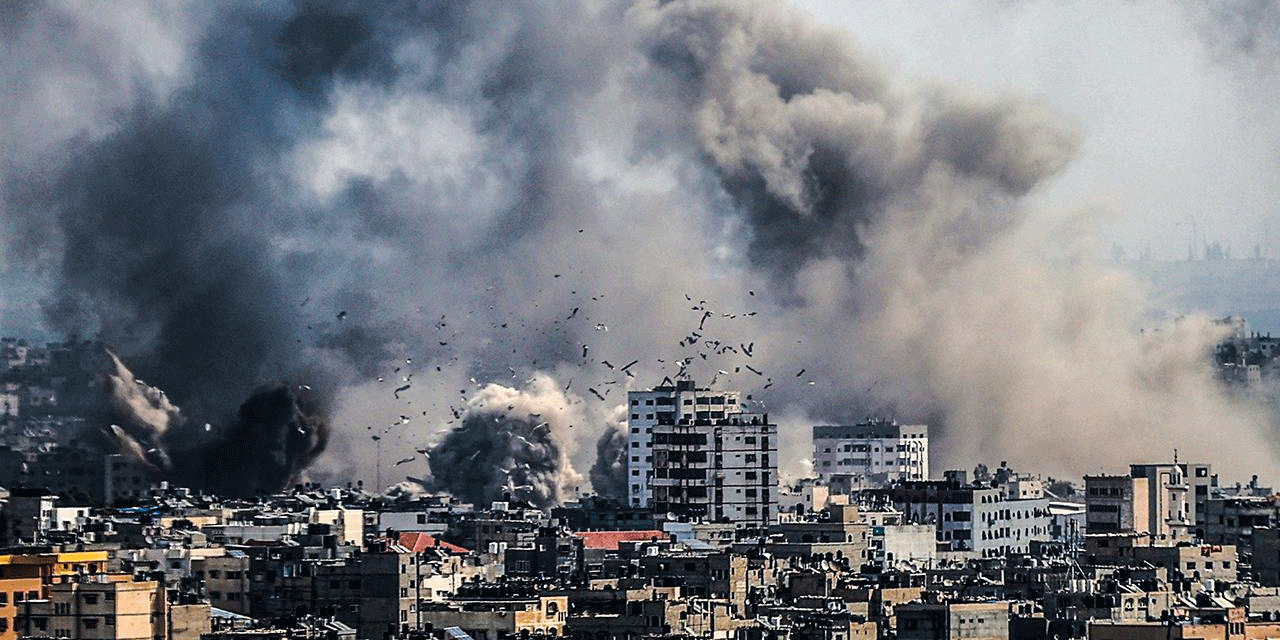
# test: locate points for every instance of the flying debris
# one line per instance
(405, 460)
(400, 389)
(595, 393)
(500, 444)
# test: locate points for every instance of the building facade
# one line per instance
(694, 453)
(872, 453)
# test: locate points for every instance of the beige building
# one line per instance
(111, 607)
(491, 618)
(26, 577)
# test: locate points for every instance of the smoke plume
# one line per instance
(263, 449)
(509, 445)
(609, 471)
(410, 207)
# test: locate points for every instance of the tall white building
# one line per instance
(875, 452)
(694, 452)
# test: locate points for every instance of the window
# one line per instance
(214, 574)
(4, 598)
(90, 623)
(4, 625)
(91, 598)
(1191, 566)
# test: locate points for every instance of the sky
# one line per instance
(450, 223)
(1174, 101)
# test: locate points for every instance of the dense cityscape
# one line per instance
(639, 320)
(706, 542)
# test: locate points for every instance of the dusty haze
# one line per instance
(446, 216)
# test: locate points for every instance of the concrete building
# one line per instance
(841, 532)
(1169, 508)
(972, 518)
(27, 513)
(1153, 498)
(1233, 519)
(972, 620)
(872, 453)
(99, 607)
(1266, 556)
(1109, 504)
(489, 614)
(28, 577)
(695, 454)
(666, 404)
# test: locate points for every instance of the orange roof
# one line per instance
(611, 539)
(417, 542)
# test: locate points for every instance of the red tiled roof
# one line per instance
(417, 542)
(611, 539)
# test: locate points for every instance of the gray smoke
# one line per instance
(609, 471)
(262, 449)
(509, 445)
(406, 206)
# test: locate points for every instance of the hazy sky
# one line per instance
(1176, 101)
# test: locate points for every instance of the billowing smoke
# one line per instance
(609, 471)
(262, 449)
(409, 207)
(510, 444)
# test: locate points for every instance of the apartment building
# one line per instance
(694, 453)
(873, 453)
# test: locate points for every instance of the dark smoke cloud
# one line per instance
(406, 205)
(266, 449)
(263, 449)
(508, 445)
(609, 472)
